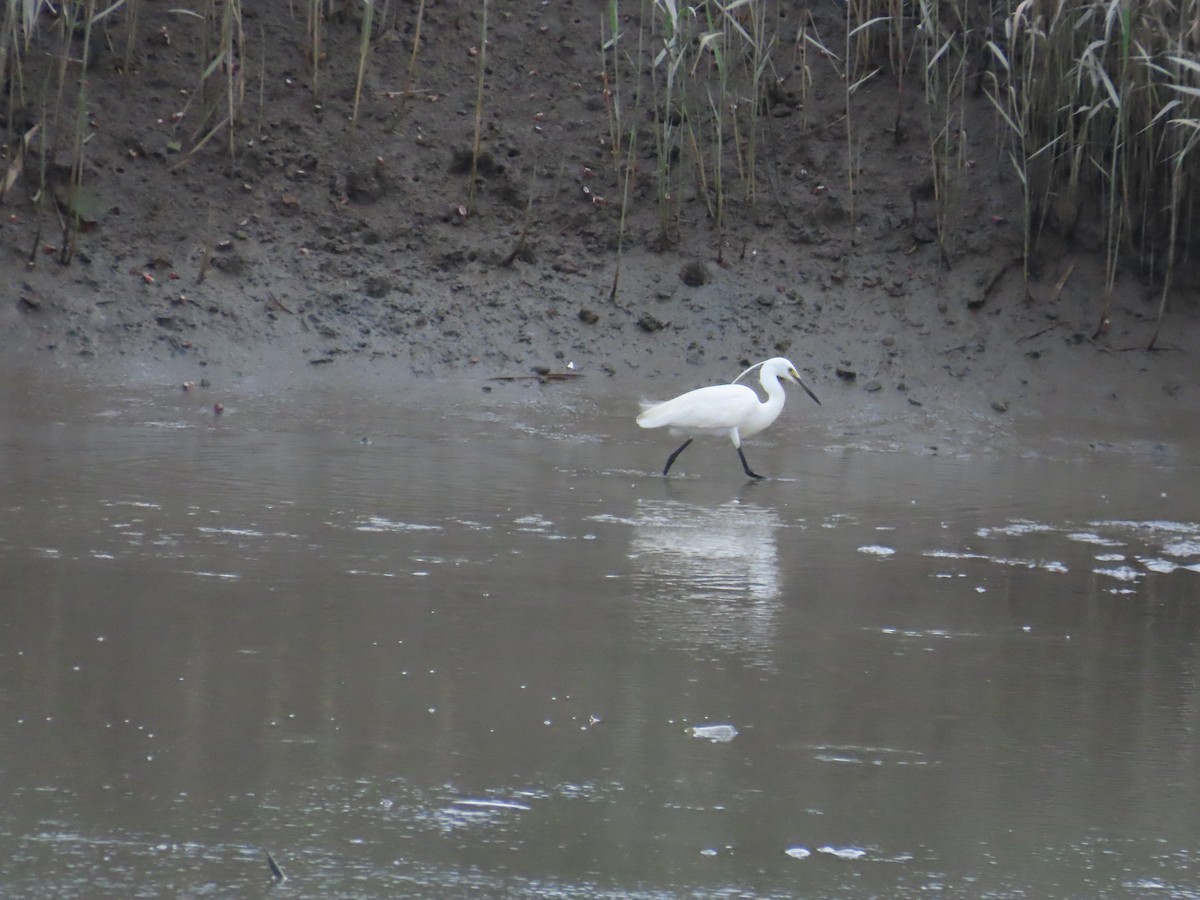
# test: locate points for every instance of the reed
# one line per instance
(1006, 100)
(857, 53)
(262, 81)
(131, 32)
(1131, 93)
(20, 21)
(610, 74)
(417, 48)
(481, 59)
(627, 166)
(1095, 102)
(763, 42)
(630, 168)
(670, 28)
(314, 24)
(808, 37)
(79, 131)
(944, 74)
(222, 80)
(1092, 102)
(716, 42)
(410, 80)
(1184, 137)
(364, 50)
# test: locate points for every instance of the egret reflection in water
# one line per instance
(709, 576)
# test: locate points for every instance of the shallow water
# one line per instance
(425, 648)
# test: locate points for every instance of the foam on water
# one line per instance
(1155, 538)
(877, 550)
(382, 524)
(716, 733)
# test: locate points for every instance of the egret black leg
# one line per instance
(745, 465)
(671, 458)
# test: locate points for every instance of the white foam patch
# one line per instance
(718, 733)
(843, 852)
(1015, 528)
(877, 550)
(381, 524)
(1090, 537)
(1152, 525)
(1182, 548)
(1121, 573)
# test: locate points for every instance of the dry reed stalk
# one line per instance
(481, 58)
(412, 61)
(630, 163)
(364, 49)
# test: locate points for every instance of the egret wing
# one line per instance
(713, 408)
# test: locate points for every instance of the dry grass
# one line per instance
(1097, 103)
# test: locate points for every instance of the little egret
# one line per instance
(725, 409)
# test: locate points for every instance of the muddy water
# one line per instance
(436, 648)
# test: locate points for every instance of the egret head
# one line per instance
(783, 368)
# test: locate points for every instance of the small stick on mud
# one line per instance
(205, 262)
(276, 303)
(17, 166)
(1099, 346)
(1057, 290)
(207, 257)
(1050, 327)
(216, 129)
(1061, 283)
(543, 377)
(519, 247)
(31, 261)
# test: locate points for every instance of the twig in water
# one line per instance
(276, 872)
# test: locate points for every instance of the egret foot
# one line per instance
(746, 465)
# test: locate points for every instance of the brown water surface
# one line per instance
(489, 651)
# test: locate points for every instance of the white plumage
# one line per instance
(733, 410)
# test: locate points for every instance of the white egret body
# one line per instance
(733, 410)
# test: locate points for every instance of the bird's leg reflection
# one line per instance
(684, 446)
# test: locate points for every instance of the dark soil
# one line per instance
(357, 251)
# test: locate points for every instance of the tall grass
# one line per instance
(64, 107)
(1100, 95)
(711, 65)
(1096, 103)
(222, 92)
(857, 57)
(73, 209)
(670, 29)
